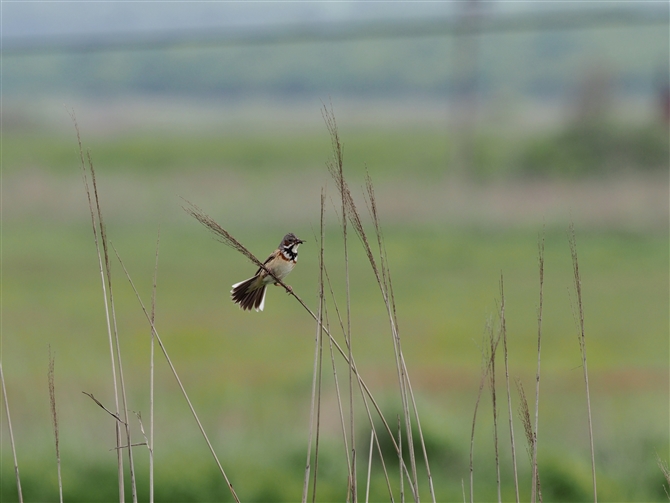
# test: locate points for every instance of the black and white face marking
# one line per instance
(289, 247)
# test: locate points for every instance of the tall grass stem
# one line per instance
(54, 419)
(582, 346)
(535, 483)
(94, 225)
(150, 440)
(11, 436)
(181, 386)
(503, 331)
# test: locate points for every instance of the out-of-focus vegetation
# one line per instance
(573, 152)
(596, 149)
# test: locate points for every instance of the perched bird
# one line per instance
(250, 293)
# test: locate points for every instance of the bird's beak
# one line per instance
(300, 241)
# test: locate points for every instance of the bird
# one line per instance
(250, 293)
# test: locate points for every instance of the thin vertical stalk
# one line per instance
(336, 168)
(94, 225)
(582, 346)
(366, 392)
(534, 486)
(503, 330)
(339, 400)
(108, 274)
(318, 415)
(11, 436)
(493, 341)
(531, 437)
(54, 419)
(181, 386)
(367, 485)
(386, 287)
(482, 383)
(402, 488)
(318, 346)
(151, 378)
(352, 433)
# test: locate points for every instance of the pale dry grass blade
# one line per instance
(420, 430)
(383, 277)
(350, 212)
(402, 488)
(112, 330)
(221, 234)
(367, 484)
(54, 419)
(94, 225)
(181, 386)
(115, 415)
(336, 167)
(150, 440)
(365, 392)
(386, 286)
(11, 436)
(146, 440)
(482, 383)
(493, 348)
(117, 345)
(340, 408)
(582, 347)
(503, 331)
(535, 481)
(318, 350)
(524, 416)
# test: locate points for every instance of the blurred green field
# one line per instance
(249, 374)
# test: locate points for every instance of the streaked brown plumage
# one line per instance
(250, 293)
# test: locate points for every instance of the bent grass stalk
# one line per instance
(174, 372)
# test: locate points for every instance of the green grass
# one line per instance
(387, 152)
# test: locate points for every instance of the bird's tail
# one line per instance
(249, 294)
